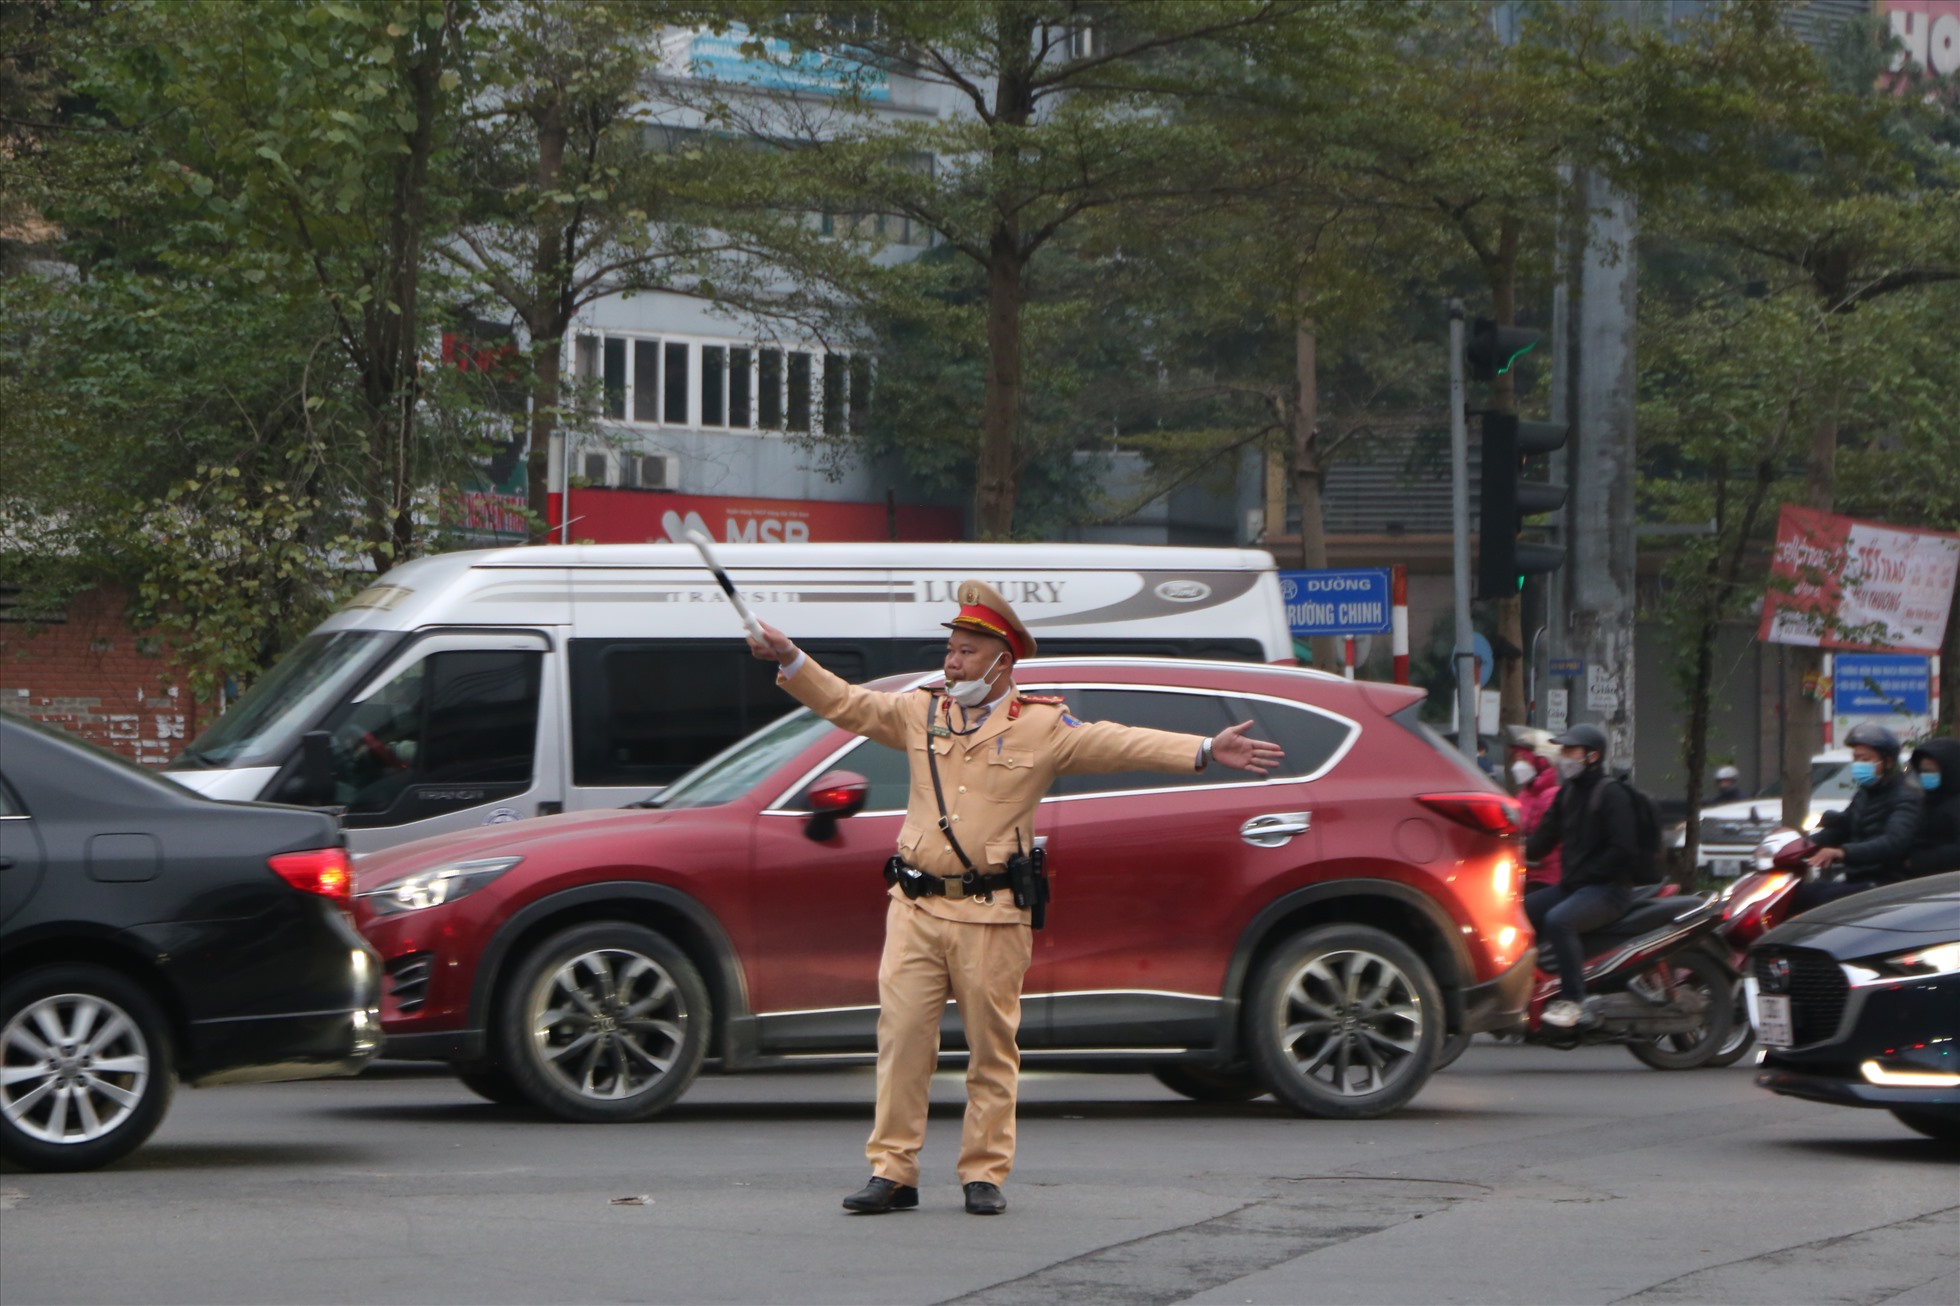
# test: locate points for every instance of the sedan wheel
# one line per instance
(1345, 1022)
(85, 1072)
(605, 1022)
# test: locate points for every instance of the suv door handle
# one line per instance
(1275, 828)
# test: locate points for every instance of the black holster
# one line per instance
(1027, 877)
(910, 882)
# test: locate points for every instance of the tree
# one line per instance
(1060, 112)
(580, 186)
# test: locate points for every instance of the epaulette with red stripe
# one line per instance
(1052, 700)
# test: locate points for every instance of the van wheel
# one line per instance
(1701, 981)
(1209, 1084)
(85, 1067)
(492, 1083)
(604, 1022)
(1345, 1022)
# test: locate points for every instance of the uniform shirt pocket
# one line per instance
(1011, 776)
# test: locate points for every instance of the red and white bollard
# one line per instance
(1830, 696)
(1398, 597)
(1347, 656)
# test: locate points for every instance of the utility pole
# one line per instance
(1466, 648)
(1600, 595)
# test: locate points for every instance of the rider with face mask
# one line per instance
(1592, 826)
(1868, 840)
(1936, 770)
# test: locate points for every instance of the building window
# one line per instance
(674, 412)
(769, 387)
(740, 384)
(799, 391)
(615, 376)
(646, 380)
(836, 390)
(860, 393)
(714, 380)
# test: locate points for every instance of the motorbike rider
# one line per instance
(1868, 840)
(1536, 783)
(1592, 826)
(1728, 786)
(1936, 770)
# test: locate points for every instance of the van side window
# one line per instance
(645, 712)
(465, 717)
(1188, 713)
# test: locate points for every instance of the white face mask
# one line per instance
(972, 693)
(1570, 768)
(1522, 772)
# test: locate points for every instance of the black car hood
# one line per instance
(1886, 919)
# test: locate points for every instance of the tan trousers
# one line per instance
(926, 960)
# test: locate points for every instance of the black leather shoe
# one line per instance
(881, 1195)
(984, 1198)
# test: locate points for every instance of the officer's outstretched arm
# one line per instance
(861, 711)
(1091, 747)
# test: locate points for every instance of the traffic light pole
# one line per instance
(1466, 649)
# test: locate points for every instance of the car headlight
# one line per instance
(432, 888)
(1920, 963)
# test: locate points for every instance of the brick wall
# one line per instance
(94, 676)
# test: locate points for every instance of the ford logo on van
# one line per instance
(1183, 591)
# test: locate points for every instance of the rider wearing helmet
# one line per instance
(1592, 826)
(1728, 786)
(1936, 770)
(1869, 839)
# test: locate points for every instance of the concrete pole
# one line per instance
(1466, 646)
(1600, 468)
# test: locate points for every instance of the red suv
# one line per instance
(1319, 934)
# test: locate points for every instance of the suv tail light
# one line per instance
(1494, 814)
(325, 871)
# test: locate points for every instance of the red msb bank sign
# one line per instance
(647, 517)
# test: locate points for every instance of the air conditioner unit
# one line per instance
(597, 467)
(659, 471)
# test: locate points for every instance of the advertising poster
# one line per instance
(1840, 583)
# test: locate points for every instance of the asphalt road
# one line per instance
(1520, 1175)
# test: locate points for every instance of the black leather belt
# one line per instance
(924, 884)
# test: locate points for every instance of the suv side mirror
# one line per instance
(834, 795)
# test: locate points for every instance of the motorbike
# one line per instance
(1663, 991)
(1755, 904)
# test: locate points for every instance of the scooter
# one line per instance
(1755, 904)
(1662, 990)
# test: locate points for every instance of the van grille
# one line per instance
(408, 980)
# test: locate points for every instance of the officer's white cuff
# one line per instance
(795, 665)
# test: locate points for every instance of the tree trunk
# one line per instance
(1303, 414)
(547, 321)
(547, 364)
(999, 470)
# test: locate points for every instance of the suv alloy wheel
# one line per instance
(604, 1022)
(1345, 1022)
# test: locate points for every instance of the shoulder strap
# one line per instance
(939, 794)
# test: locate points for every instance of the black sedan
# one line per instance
(1855, 1003)
(148, 934)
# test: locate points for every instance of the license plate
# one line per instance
(1726, 867)
(1773, 1020)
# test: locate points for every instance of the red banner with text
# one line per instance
(613, 516)
(1837, 582)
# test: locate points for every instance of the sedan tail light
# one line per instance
(325, 871)
(1494, 814)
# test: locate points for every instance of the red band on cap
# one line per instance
(989, 622)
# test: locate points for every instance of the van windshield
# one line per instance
(740, 767)
(263, 727)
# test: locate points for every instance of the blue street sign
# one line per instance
(1566, 668)
(1353, 602)
(1882, 684)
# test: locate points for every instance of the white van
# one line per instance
(471, 688)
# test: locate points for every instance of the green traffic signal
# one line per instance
(1493, 349)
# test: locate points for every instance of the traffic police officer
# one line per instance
(996, 752)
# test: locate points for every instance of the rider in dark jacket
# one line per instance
(1936, 770)
(1592, 826)
(1869, 839)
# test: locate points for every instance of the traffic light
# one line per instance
(1503, 560)
(1492, 349)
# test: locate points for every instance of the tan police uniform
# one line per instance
(974, 949)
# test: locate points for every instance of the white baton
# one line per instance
(700, 543)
